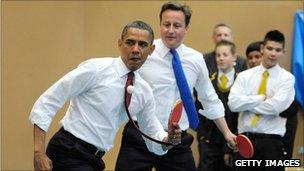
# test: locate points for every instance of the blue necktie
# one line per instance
(184, 90)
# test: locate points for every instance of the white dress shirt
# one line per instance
(244, 98)
(96, 111)
(158, 72)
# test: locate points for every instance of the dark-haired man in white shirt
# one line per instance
(96, 89)
(260, 94)
(158, 72)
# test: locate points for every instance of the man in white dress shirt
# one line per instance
(259, 110)
(158, 72)
(96, 111)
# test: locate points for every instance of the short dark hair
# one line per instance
(139, 25)
(254, 46)
(227, 43)
(274, 35)
(221, 25)
(175, 6)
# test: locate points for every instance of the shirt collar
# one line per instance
(163, 50)
(230, 74)
(272, 71)
(121, 68)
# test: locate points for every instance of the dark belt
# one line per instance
(91, 148)
(251, 135)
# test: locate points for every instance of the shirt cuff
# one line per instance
(258, 98)
(213, 113)
(154, 147)
(43, 121)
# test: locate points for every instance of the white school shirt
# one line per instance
(96, 110)
(158, 72)
(244, 98)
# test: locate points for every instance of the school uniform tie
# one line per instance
(184, 90)
(223, 83)
(262, 90)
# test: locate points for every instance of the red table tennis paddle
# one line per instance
(176, 114)
(245, 146)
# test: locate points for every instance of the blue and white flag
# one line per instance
(298, 56)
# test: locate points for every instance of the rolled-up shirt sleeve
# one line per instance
(213, 107)
(282, 99)
(239, 100)
(70, 85)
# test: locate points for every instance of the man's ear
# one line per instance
(152, 49)
(187, 28)
(234, 57)
(284, 51)
(261, 47)
(119, 43)
(213, 37)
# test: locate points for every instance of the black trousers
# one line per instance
(69, 153)
(289, 137)
(266, 147)
(135, 156)
(212, 157)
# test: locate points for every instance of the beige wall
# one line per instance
(42, 40)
